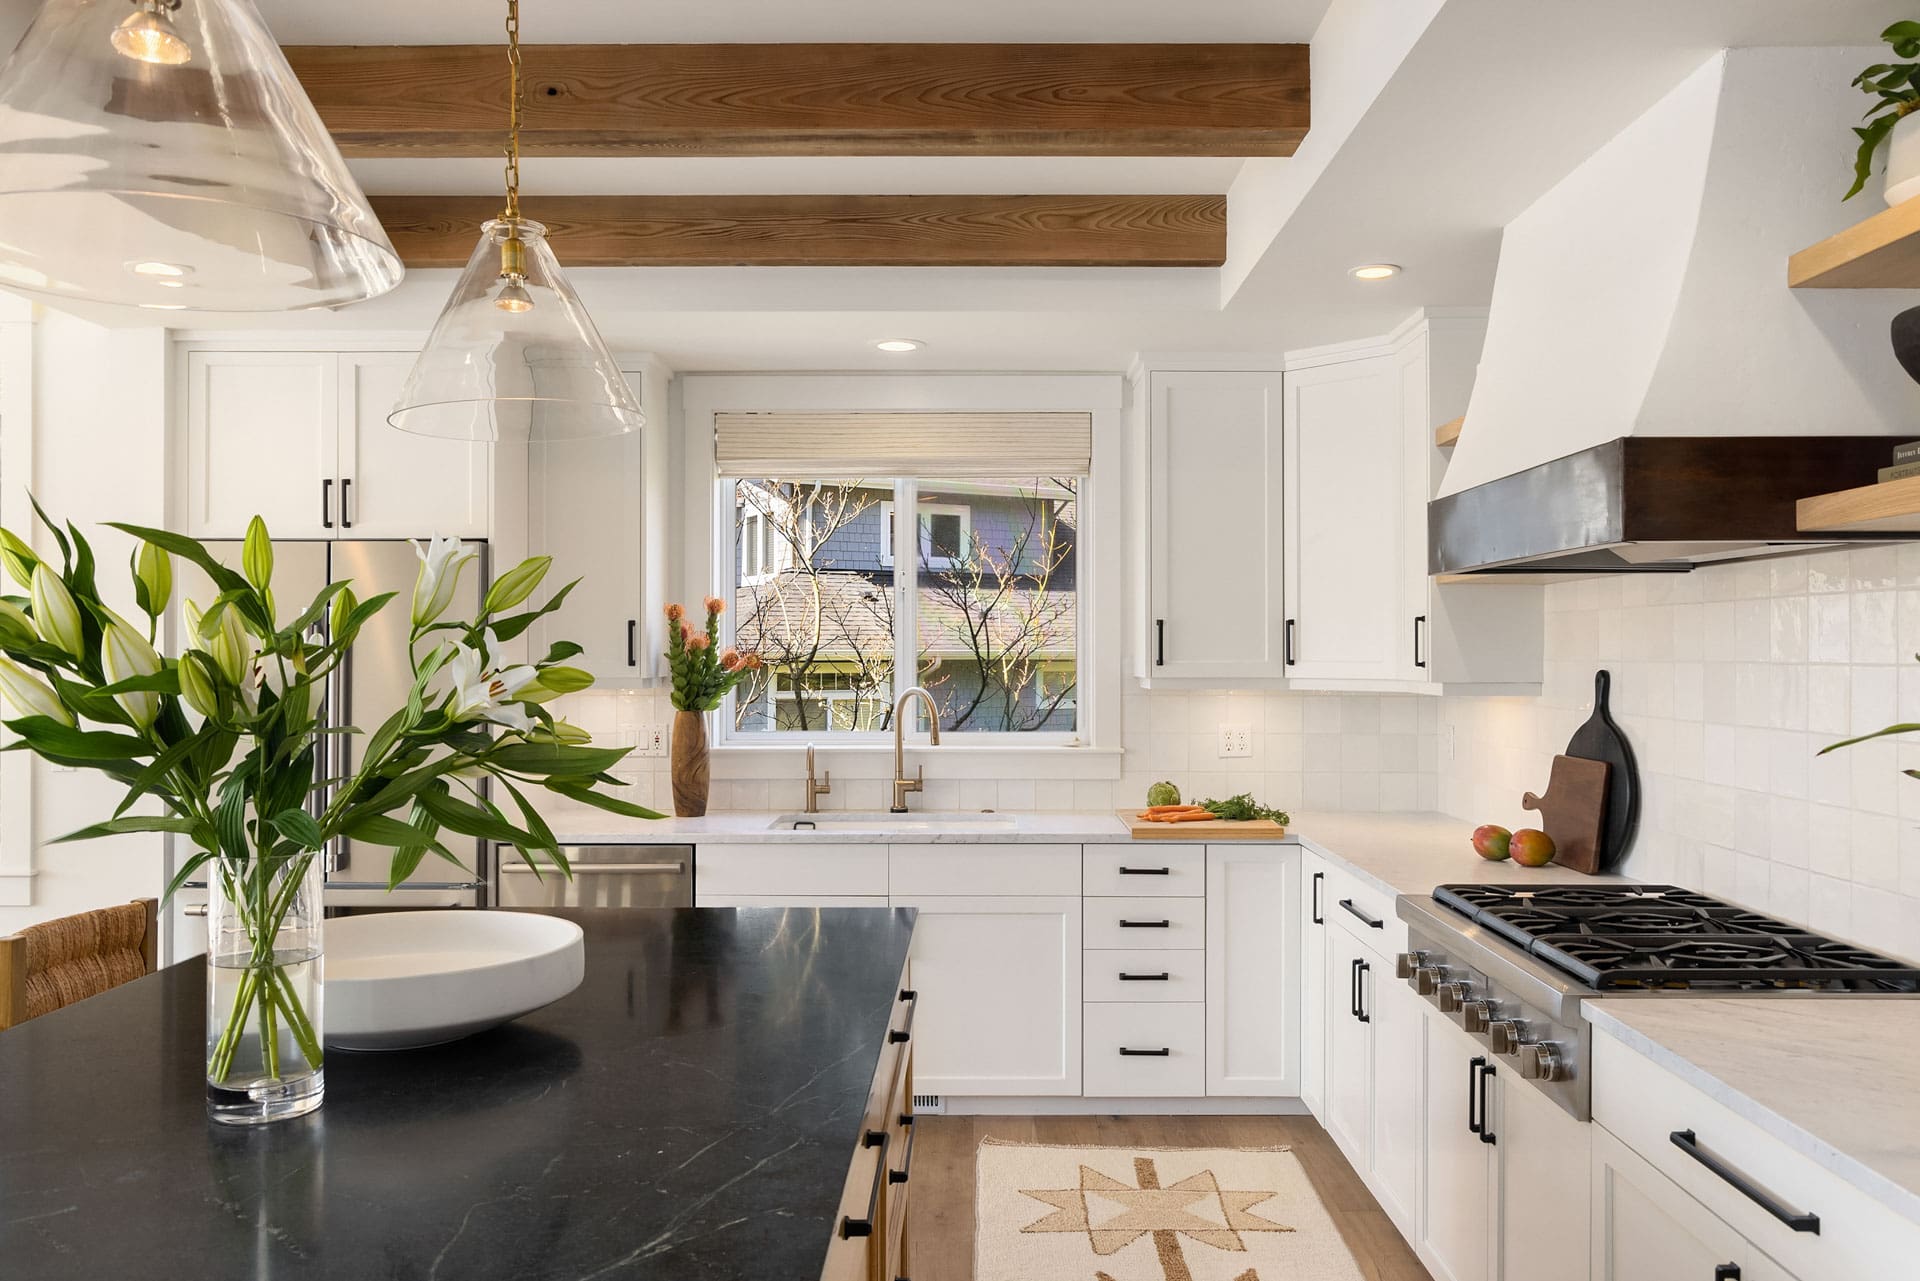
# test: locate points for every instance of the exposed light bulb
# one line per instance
(513, 295)
(146, 35)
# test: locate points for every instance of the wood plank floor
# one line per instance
(940, 1211)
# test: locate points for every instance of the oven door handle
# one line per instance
(604, 869)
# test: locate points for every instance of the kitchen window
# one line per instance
(984, 613)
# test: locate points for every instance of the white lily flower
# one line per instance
(54, 612)
(484, 690)
(125, 653)
(441, 561)
(28, 695)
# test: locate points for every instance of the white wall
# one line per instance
(1728, 681)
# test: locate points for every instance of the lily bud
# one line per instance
(197, 687)
(256, 554)
(15, 627)
(17, 557)
(125, 654)
(516, 584)
(54, 614)
(571, 735)
(152, 579)
(344, 603)
(228, 643)
(440, 564)
(554, 681)
(28, 695)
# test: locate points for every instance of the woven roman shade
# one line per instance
(938, 445)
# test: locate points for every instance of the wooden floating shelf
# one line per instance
(1882, 252)
(1892, 507)
(1447, 433)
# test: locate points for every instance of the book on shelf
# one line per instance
(1899, 471)
(1907, 453)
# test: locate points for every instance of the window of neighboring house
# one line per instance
(991, 624)
(944, 533)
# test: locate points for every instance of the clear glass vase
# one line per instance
(264, 990)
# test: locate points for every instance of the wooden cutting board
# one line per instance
(1574, 811)
(1212, 829)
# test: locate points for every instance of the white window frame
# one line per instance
(927, 561)
(1092, 751)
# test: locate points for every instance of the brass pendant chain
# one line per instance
(514, 105)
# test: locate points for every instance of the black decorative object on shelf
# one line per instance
(1601, 740)
(1906, 341)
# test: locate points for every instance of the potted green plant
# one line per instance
(222, 745)
(1895, 90)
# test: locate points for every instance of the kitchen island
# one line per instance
(690, 1111)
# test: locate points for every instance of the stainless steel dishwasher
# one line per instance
(603, 876)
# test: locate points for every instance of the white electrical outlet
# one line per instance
(653, 741)
(1236, 740)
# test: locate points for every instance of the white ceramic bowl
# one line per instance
(399, 980)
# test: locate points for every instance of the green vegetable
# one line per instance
(1163, 794)
(1243, 808)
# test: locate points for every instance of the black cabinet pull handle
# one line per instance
(1146, 871)
(1146, 925)
(850, 1226)
(1353, 987)
(906, 1158)
(1799, 1221)
(1726, 1272)
(633, 628)
(1360, 1011)
(346, 502)
(1286, 645)
(1372, 922)
(1476, 1124)
(1161, 1053)
(326, 502)
(1159, 642)
(1318, 877)
(1162, 977)
(1419, 625)
(1486, 1117)
(904, 1033)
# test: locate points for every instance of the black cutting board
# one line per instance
(1601, 740)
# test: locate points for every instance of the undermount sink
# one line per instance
(915, 822)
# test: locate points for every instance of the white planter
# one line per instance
(1903, 160)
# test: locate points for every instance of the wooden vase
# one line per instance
(689, 764)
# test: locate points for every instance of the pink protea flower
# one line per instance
(675, 613)
(715, 605)
(751, 662)
(729, 659)
(686, 632)
(697, 641)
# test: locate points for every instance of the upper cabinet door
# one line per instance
(1215, 526)
(584, 510)
(261, 436)
(395, 484)
(1346, 523)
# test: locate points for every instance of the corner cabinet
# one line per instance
(301, 439)
(1253, 1017)
(1209, 453)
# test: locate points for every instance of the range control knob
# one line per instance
(1405, 964)
(1476, 1016)
(1453, 995)
(1427, 979)
(1542, 1061)
(1506, 1036)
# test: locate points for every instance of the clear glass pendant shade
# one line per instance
(160, 153)
(514, 356)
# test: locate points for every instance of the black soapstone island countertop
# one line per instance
(688, 1112)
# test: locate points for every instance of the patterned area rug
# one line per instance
(1151, 1214)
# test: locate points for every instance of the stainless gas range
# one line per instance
(1513, 963)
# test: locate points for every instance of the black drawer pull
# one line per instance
(1159, 642)
(346, 502)
(904, 1033)
(1801, 1221)
(1360, 994)
(1419, 657)
(1476, 1123)
(1372, 922)
(1161, 1053)
(906, 1158)
(1318, 878)
(326, 502)
(1145, 925)
(1146, 871)
(1287, 643)
(1162, 977)
(850, 1226)
(633, 632)
(1486, 1117)
(1353, 987)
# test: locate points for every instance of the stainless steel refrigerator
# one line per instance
(364, 691)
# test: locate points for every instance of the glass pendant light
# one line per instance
(161, 153)
(514, 356)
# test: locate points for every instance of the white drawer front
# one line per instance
(1644, 1105)
(789, 867)
(1125, 871)
(1141, 923)
(1145, 974)
(921, 870)
(1344, 899)
(1145, 1049)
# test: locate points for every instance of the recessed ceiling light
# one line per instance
(164, 306)
(899, 344)
(171, 284)
(1375, 271)
(156, 269)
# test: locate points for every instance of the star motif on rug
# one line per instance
(1114, 1214)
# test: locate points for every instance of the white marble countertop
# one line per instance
(1757, 1055)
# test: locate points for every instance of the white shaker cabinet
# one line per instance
(1374, 1076)
(1456, 1230)
(1646, 1229)
(1211, 466)
(1314, 1009)
(302, 440)
(1252, 942)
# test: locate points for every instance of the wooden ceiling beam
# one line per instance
(816, 99)
(830, 231)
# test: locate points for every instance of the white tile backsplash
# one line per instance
(1728, 681)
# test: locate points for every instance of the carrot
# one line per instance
(1171, 809)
